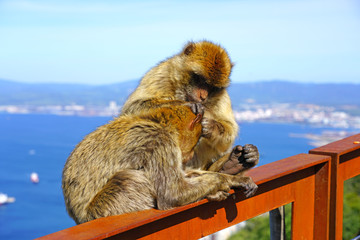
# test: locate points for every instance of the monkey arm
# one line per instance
(175, 188)
(219, 131)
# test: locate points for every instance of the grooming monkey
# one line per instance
(136, 162)
(199, 73)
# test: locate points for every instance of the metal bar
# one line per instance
(277, 223)
(289, 180)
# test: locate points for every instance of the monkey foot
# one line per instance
(241, 158)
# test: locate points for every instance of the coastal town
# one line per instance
(309, 114)
(341, 122)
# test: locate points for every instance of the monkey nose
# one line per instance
(203, 95)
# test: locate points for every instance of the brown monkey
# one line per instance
(136, 162)
(199, 73)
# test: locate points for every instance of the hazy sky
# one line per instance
(101, 42)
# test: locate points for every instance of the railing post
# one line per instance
(277, 223)
(341, 152)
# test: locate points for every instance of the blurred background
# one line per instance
(66, 67)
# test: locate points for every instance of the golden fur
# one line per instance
(199, 73)
(136, 162)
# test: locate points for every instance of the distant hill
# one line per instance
(16, 93)
(290, 92)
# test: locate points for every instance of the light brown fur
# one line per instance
(199, 73)
(136, 162)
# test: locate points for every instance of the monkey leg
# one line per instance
(126, 191)
(238, 161)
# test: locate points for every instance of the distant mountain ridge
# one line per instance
(290, 92)
(16, 93)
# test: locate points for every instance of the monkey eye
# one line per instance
(200, 82)
(196, 77)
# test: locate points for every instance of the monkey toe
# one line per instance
(236, 152)
(249, 148)
(250, 157)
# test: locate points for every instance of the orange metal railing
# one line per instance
(312, 182)
(345, 164)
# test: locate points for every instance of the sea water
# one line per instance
(42, 143)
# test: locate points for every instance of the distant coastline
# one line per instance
(334, 106)
(309, 114)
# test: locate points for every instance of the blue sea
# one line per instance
(42, 143)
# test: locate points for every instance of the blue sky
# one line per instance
(100, 42)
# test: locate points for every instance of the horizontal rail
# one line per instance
(290, 180)
(312, 182)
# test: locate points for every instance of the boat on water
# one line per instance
(4, 199)
(34, 177)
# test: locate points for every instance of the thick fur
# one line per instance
(199, 73)
(136, 162)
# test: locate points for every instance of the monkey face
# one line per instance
(210, 61)
(207, 68)
(198, 90)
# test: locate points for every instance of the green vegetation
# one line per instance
(351, 218)
(259, 227)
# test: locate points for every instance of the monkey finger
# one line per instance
(252, 160)
(206, 128)
(251, 191)
(197, 108)
(250, 188)
(237, 149)
(251, 154)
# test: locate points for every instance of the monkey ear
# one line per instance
(189, 48)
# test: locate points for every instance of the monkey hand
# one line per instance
(250, 187)
(247, 184)
(240, 159)
(211, 128)
(196, 108)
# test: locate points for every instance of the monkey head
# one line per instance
(207, 69)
